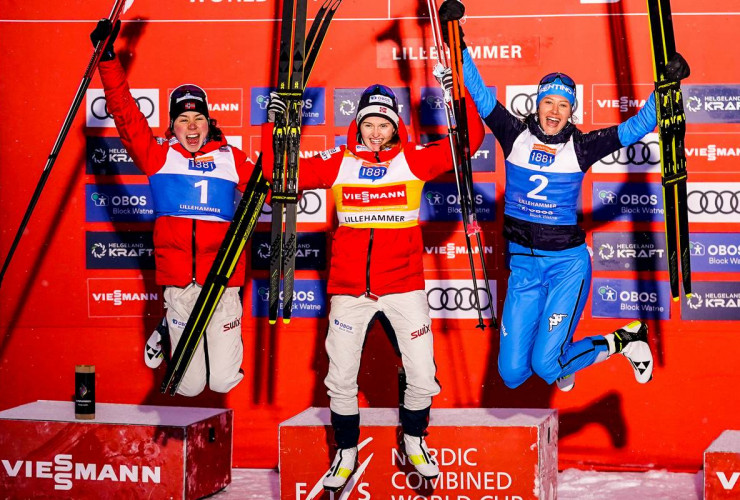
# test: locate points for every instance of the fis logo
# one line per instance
(556, 319)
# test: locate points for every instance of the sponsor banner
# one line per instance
(441, 201)
(112, 250)
(346, 100)
(432, 107)
(640, 251)
(711, 103)
(107, 156)
(311, 207)
(718, 301)
(310, 253)
(713, 152)
(522, 101)
(713, 201)
(311, 145)
(234, 140)
(612, 104)
(456, 299)
(123, 298)
(309, 299)
(627, 201)
(340, 140)
(449, 251)
(96, 110)
(641, 157)
(313, 111)
(484, 160)
(225, 106)
(118, 203)
(613, 298)
(715, 252)
(486, 51)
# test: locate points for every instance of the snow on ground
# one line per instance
(253, 484)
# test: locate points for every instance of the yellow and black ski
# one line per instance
(672, 130)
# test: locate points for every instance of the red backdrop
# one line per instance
(59, 308)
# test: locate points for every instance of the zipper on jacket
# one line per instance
(377, 156)
(368, 293)
(192, 244)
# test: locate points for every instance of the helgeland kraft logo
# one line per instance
(310, 251)
(615, 298)
(125, 250)
(712, 103)
(309, 299)
(712, 300)
(107, 156)
(640, 251)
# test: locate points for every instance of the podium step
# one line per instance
(491, 454)
(722, 467)
(128, 451)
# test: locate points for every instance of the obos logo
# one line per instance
(311, 207)
(715, 252)
(628, 201)
(456, 299)
(522, 101)
(717, 202)
(313, 109)
(441, 202)
(309, 298)
(642, 157)
(433, 106)
(630, 299)
(98, 115)
(119, 203)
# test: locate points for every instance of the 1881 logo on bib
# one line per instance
(373, 171)
(541, 155)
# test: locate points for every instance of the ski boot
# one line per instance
(341, 468)
(631, 341)
(418, 453)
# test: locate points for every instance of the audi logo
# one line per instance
(99, 107)
(461, 299)
(524, 104)
(713, 202)
(308, 204)
(639, 153)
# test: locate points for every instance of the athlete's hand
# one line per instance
(275, 107)
(677, 68)
(451, 10)
(101, 32)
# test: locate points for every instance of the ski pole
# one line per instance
(119, 7)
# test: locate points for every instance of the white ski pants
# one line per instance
(408, 313)
(223, 337)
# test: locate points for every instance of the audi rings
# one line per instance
(308, 204)
(524, 104)
(713, 202)
(460, 299)
(99, 107)
(639, 153)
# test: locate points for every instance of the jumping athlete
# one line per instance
(546, 158)
(194, 176)
(376, 265)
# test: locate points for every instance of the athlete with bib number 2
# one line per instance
(376, 264)
(546, 158)
(194, 176)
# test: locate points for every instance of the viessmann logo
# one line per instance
(374, 197)
(63, 470)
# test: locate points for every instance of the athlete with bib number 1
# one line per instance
(194, 177)
(546, 158)
(376, 264)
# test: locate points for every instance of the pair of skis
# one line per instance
(119, 7)
(457, 130)
(672, 130)
(248, 212)
(298, 53)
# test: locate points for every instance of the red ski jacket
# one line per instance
(380, 260)
(184, 247)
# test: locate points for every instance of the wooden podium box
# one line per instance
(127, 451)
(722, 467)
(483, 454)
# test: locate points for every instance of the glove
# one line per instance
(451, 10)
(677, 68)
(101, 32)
(444, 77)
(275, 107)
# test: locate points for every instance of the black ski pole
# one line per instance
(118, 8)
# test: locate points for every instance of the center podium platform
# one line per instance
(127, 451)
(483, 454)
